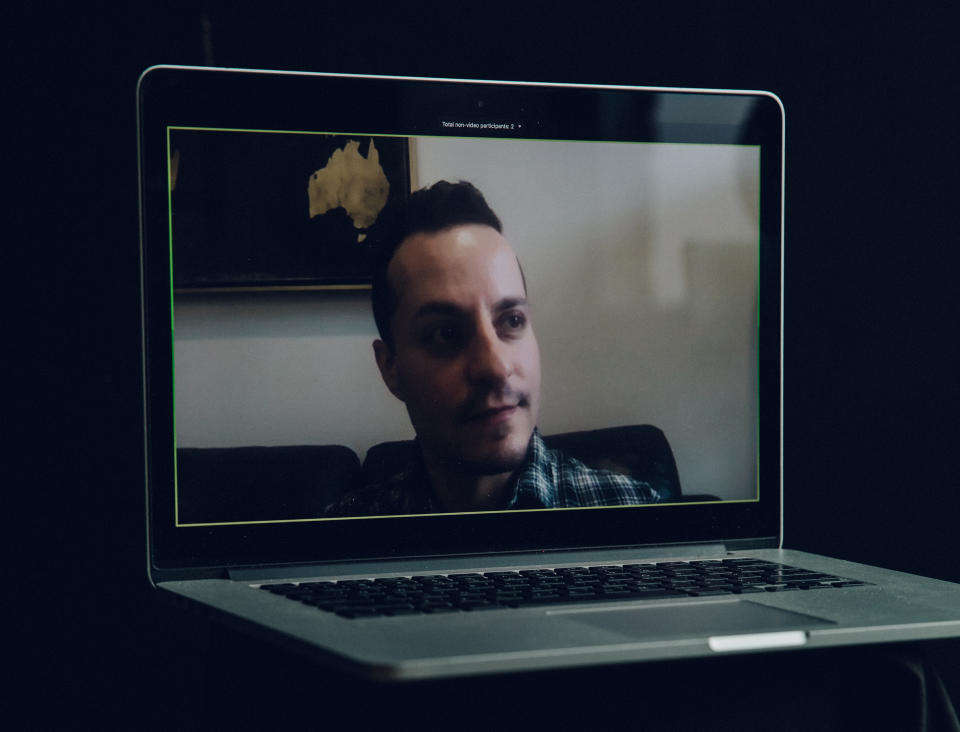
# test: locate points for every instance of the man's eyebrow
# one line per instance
(509, 303)
(444, 307)
(438, 307)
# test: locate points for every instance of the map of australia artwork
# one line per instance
(279, 210)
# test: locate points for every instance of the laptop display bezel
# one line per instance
(181, 96)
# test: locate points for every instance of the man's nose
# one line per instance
(489, 361)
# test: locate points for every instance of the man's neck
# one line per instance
(457, 491)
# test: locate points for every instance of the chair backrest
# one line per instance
(263, 483)
(640, 451)
(295, 481)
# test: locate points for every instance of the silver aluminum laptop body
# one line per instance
(650, 226)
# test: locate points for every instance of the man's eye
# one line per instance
(445, 335)
(514, 321)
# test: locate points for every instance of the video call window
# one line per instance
(639, 269)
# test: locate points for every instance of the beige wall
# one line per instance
(641, 266)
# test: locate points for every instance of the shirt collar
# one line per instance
(536, 480)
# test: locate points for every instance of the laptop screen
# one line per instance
(596, 364)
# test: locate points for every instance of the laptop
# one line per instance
(649, 226)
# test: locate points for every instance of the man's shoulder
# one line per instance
(399, 494)
(368, 500)
(579, 484)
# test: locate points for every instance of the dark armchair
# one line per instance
(262, 483)
(299, 481)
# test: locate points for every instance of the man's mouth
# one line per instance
(495, 413)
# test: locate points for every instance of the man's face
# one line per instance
(465, 359)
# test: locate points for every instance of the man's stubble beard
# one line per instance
(494, 465)
(491, 464)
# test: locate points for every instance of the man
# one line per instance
(457, 347)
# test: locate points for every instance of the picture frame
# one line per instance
(263, 210)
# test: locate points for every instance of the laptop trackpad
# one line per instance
(723, 617)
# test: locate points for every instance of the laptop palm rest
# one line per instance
(723, 617)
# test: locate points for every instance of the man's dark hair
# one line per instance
(427, 211)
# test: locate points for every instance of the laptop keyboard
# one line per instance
(470, 592)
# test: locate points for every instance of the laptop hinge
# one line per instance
(422, 565)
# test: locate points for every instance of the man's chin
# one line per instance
(497, 459)
(490, 466)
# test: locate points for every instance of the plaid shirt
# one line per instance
(548, 479)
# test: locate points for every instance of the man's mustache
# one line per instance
(487, 400)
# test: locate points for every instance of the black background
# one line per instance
(872, 387)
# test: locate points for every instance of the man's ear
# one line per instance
(388, 368)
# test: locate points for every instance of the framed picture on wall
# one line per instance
(269, 210)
